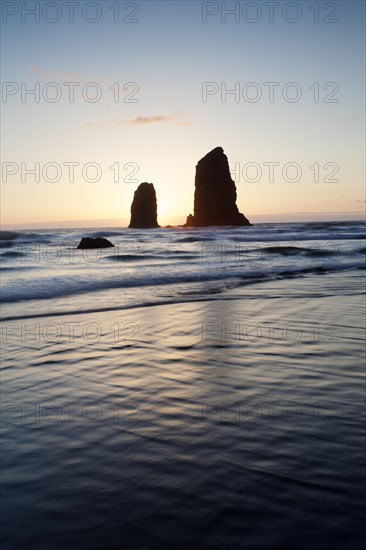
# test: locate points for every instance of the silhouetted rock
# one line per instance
(94, 242)
(144, 207)
(8, 235)
(215, 193)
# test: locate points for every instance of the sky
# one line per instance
(127, 92)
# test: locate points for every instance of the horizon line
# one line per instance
(117, 222)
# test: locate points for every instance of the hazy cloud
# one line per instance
(69, 75)
(151, 119)
(141, 121)
(55, 75)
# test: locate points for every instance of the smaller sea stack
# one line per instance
(144, 212)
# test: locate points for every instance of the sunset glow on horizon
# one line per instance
(144, 103)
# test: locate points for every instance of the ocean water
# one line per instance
(198, 388)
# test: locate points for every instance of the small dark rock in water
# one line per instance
(215, 193)
(94, 242)
(8, 235)
(144, 213)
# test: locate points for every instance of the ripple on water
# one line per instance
(176, 440)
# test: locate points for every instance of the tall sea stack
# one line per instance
(144, 213)
(215, 193)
